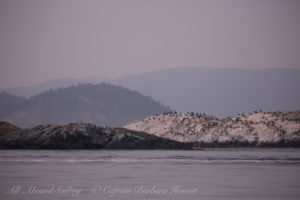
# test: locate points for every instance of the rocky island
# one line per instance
(257, 129)
(81, 136)
(165, 131)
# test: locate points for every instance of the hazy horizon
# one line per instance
(109, 79)
(44, 40)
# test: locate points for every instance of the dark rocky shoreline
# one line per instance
(84, 136)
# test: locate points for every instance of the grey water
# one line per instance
(243, 173)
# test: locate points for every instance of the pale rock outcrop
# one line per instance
(252, 129)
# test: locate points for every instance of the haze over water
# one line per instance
(209, 174)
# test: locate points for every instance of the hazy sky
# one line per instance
(45, 39)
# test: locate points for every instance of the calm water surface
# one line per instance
(97, 174)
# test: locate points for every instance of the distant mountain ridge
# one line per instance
(101, 104)
(30, 91)
(221, 92)
(10, 103)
